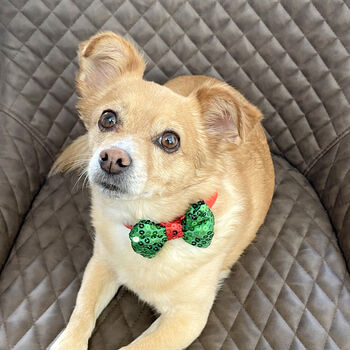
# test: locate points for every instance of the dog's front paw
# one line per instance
(66, 341)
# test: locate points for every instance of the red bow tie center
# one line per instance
(173, 228)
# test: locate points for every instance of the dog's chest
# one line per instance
(138, 272)
(159, 280)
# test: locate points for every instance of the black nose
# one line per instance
(114, 160)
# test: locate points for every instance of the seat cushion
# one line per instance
(289, 290)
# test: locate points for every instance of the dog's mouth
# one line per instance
(110, 187)
(118, 191)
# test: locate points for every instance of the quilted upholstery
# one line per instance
(24, 164)
(331, 177)
(291, 289)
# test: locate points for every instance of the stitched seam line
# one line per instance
(23, 219)
(30, 130)
(328, 148)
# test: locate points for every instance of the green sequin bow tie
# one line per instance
(196, 227)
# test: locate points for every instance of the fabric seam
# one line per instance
(326, 150)
(42, 143)
(30, 130)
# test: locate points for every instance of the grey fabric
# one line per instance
(331, 177)
(290, 290)
(25, 162)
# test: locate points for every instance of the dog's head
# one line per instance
(144, 139)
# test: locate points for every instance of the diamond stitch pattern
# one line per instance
(25, 165)
(284, 46)
(290, 289)
(331, 177)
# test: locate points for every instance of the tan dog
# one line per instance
(150, 152)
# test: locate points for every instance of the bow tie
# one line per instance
(196, 227)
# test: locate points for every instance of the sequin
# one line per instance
(147, 237)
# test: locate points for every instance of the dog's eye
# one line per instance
(169, 141)
(107, 120)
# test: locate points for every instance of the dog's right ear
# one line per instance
(227, 115)
(103, 58)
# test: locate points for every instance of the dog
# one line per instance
(162, 156)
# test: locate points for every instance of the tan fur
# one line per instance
(223, 148)
(75, 157)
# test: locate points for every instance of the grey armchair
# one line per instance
(291, 288)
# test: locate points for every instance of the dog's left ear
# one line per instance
(227, 115)
(103, 58)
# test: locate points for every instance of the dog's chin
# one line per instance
(114, 191)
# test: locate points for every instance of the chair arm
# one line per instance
(330, 176)
(24, 163)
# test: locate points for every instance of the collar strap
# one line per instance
(174, 228)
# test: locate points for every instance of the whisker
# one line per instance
(83, 173)
(86, 180)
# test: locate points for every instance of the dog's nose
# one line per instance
(114, 160)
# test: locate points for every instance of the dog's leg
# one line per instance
(174, 330)
(184, 311)
(97, 289)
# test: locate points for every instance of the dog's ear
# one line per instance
(75, 157)
(105, 57)
(227, 115)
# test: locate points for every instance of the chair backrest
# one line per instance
(287, 57)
